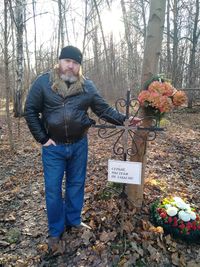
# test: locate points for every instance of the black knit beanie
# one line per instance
(72, 53)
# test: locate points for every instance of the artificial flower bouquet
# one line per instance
(160, 97)
(177, 218)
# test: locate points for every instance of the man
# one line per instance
(56, 114)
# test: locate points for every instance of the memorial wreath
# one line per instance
(178, 218)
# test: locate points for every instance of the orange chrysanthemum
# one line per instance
(157, 86)
(179, 98)
(143, 97)
(162, 96)
(169, 89)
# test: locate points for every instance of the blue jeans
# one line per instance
(71, 160)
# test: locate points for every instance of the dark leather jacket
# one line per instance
(49, 115)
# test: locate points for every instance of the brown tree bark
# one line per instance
(19, 20)
(27, 60)
(110, 78)
(150, 67)
(175, 43)
(35, 35)
(191, 72)
(168, 40)
(7, 75)
(129, 43)
(61, 34)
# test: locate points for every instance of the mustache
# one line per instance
(66, 70)
(69, 78)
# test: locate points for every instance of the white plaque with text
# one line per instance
(125, 172)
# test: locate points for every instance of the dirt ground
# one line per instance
(121, 235)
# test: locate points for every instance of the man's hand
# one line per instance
(134, 121)
(50, 142)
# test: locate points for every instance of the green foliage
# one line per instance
(116, 186)
(13, 235)
(140, 263)
(105, 194)
(111, 190)
(157, 77)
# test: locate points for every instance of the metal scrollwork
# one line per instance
(125, 142)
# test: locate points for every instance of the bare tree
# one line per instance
(61, 35)
(175, 43)
(149, 68)
(35, 34)
(6, 73)
(168, 41)
(102, 32)
(85, 25)
(27, 59)
(194, 43)
(19, 22)
(109, 75)
(129, 43)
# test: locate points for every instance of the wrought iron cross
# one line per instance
(127, 132)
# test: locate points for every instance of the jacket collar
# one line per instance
(61, 87)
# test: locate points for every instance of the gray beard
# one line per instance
(67, 78)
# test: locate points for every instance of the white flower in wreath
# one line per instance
(178, 199)
(192, 215)
(188, 210)
(167, 206)
(172, 211)
(181, 204)
(184, 216)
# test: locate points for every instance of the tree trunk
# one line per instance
(175, 44)
(18, 111)
(35, 36)
(191, 72)
(110, 78)
(85, 26)
(150, 67)
(129, 44)
(27, 61)
(6, 74)
(144, 17)
(61, 33)
(168, 40)
(14, 80)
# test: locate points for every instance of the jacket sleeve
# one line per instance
(33, 110)
(104, 111)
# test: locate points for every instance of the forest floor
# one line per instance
(119, 237)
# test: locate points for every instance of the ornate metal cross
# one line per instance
(126, 132)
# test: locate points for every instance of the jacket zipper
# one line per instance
(65, 121)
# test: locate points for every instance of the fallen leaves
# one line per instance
(178, 259)
(128, 227)
(42, 247)
(8, 217)
(137, 249)
(86, 236)
(120, 235)
(4, 243)
(154, 253)
(107, 236)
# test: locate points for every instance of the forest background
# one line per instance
(111, 35)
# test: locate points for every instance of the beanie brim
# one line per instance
(71, 52)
